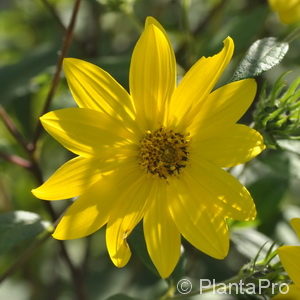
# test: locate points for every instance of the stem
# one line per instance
(17, 160)
(76, 273)
(86, 258)
(65, 47)
(134, 20)
(55, 15)
(181, 51)
(12, 128)
(292, 36)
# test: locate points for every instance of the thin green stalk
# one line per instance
(292, 36)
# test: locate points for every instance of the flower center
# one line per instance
(163, 152)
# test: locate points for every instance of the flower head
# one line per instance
(155, 154)
(290, 259)
(288, 10)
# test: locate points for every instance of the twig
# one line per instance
(65, 47)
(54, 13)
(181, 51)
(17, 160)
(11, 127)
(86, 258)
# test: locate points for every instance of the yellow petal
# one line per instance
(224, 107)
(92, 209)
(94, 88)
(289, 11)
(291, 292)
(161, 235)
(222, 190)
(88, 213)
(128, 213)
(296, 225)
(202, 225)
(70, 180)
(83, 131)
(231, 147)
(290, 259)
(197, 84)
(152, 74)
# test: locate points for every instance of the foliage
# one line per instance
(33, 37)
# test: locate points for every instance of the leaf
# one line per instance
(120, 297)
(262, 56)
(18, 226)
(15, 78)
(249, 241)
(268, 178)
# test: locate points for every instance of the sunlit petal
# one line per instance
(95, 89)
(192, 92)
(152, 74)
(70, 180)
(92, 209)
(221, 190)
(203, 226)
(131, 207)
(161, 235)
(232, 146)
(83, 131)
(223, 107)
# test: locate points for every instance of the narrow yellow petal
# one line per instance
(128, 213)
(161, 235)
(83, 131)
(197, 84)
(70, 180)
(94, 88)
(296, 225)
(222, 190)
(152, 74)
(203, 226)
(224, 107)
(292, 292)
(236, 145)
(290, 258)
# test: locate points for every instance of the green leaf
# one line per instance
(121, 297)
(262, 56)
(248, 241)
(15, 78)
(18, 226)
(267, 178)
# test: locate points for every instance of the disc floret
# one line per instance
(163, 152)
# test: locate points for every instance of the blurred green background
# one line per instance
(31, 34)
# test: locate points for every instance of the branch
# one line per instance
(65, 48)
(15, 159)
(12, 128)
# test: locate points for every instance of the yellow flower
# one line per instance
(155, 154)
(288, 10)
(290, 259)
